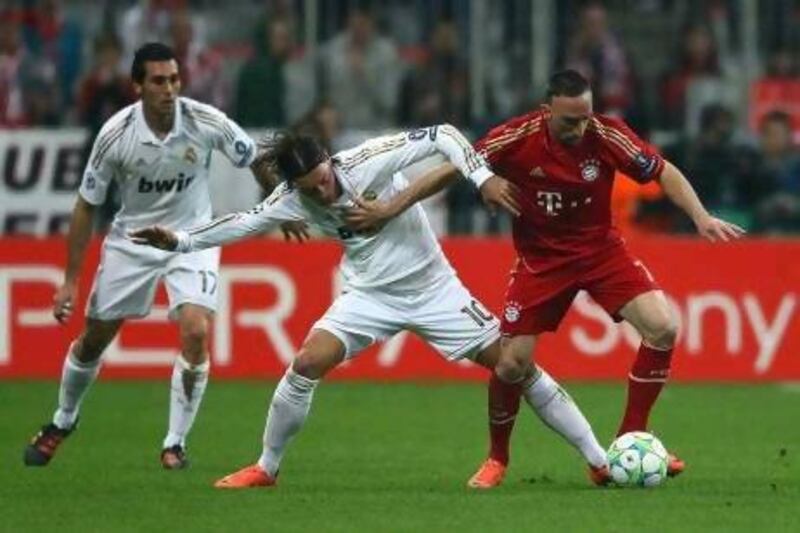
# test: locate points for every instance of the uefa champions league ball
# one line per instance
(637, 459)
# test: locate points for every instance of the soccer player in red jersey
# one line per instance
(562, 159)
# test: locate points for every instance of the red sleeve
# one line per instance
(503, 139)
(629, 154)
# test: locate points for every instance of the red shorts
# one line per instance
(537, 302)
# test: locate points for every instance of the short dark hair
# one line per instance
(149, 52)
(566, 83)
(776, 115)
(292, 155)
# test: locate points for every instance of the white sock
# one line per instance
(76, 377)
(556, 409)
(287, 413)
(186, 392)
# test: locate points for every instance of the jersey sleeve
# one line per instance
(281, 206)
(225, 135)
(101, 166)
(504, 139)
(630, 155)
(390, 154)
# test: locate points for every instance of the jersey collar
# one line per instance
(146, 135)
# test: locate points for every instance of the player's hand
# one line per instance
(368, 215)
(155, 236)
(64, 301)
(715, 229)
(498, 192)
(296, 229)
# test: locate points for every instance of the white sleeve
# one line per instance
(225, 135)
(102, 163)
(395, 152)
(281, 206)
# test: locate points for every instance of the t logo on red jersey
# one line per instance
(551, 201)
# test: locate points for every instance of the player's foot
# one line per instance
(174, 458)
(488, 476)
(675, 465)
(600, 475)
(247, 477)
(45, 443)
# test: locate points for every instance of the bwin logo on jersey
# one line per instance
(160, 186)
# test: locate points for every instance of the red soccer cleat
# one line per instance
(600, 475)
(675, 465)
(247, 477)
(488, 476)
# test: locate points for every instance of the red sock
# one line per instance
(504, 401)
(647, 377)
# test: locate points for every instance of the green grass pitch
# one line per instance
(390, 457)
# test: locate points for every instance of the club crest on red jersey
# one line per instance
(590, 169)
(512, 311)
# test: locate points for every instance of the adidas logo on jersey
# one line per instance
(177, 184)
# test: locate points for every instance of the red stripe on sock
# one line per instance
(650, 367)
(504, 401)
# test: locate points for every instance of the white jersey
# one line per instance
(402, 248)
(162, 182)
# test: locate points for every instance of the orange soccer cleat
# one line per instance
(600, 475)
(247, 477)
(675, 465)
(488, 476)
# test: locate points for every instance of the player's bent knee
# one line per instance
(663, 334)
(312, 365)
(511, 370)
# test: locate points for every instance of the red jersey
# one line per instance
(566, 190)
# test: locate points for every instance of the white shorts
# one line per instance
(445, 315)
(128, 274)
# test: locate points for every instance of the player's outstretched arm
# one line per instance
(371, 215)
(681, 193)
(155, 236)
(80, 230)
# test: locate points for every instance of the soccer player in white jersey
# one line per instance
(395, 276)
(158, 151)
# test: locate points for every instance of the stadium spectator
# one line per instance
(697, 58)
(105, 89)
(323, 123)
(27, 86)
(722, 169)
(779, 169)
(54, 38)
(201, 67)
(261, 88)
(595, 52)
(361, 73)
(437, 90)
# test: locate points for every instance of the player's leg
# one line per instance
(650, 314)
(80, 369)
(502, 408)
(553, 405)
(352, 323)
(289, 408)
(626, 290)
(191, 283)
(188, 382)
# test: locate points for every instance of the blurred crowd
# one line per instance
(678, 71)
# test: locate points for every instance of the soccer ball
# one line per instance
(637, 459)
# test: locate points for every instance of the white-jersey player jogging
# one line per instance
(396, 278)
(162, 182)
